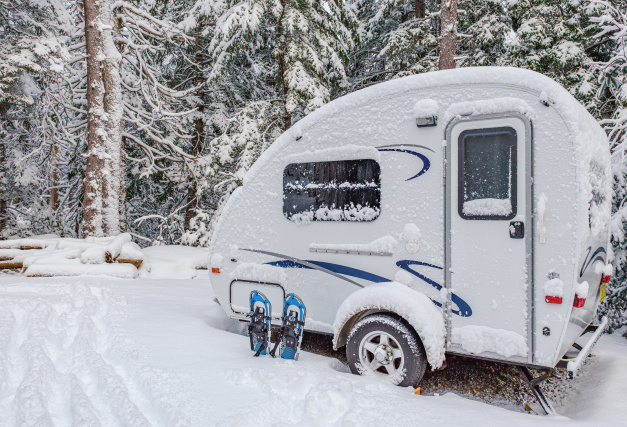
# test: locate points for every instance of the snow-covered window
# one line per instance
(487, 173)
(348, 190)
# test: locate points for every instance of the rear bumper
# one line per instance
(573, 365)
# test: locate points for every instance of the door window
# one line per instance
(487, 174)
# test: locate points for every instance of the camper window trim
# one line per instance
(461, 172)
(349, 212)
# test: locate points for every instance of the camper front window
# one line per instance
(487, 173)
(348, 190)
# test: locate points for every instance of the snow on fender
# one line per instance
(416, 308)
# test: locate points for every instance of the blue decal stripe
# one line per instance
(405, 146)
(353, 272)
(464, 308)
(592, 259)
(425, 160)
(336, 268)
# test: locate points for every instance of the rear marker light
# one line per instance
(215, 270)
(553, 300)
(579, 302)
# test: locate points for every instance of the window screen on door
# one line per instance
(487, 173)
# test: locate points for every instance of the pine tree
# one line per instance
(280, 59)
(310, 44)
(484, 29)
(611, 26)
(398, 37)
(551, 37)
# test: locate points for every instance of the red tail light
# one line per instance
(553, 300)
(579, 302)
(215, 270)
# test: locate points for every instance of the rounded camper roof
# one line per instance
(589, 139)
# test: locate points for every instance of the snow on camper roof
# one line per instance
(589, 139)
(590, 146)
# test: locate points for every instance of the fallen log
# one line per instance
(136, 263)
(25, 248)
(5, 258)
(11, 265)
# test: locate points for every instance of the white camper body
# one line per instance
(486, 190)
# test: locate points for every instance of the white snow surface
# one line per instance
(75, 257)
(426, 108)
(348, 213)
(109, 352)
(259, 273)
(175, 262)
(487, 106)
(76, 268)
(343, 152)
(416, 308)
(582, 289)
(411, 237)
(479, 339)
(131, 251)
(541, 209)
(382, 245)
(500, 207)
(93, 255)
(554, 287)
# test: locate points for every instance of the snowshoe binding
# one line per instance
(260, 325)
(291, 332)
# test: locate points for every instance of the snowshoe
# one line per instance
(260, 325)
(291, 332)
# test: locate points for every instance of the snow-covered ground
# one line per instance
(98, 351)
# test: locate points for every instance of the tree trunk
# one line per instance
(198, 136)
(113, 109)
(287, 115)
(54, 177)
(104, 118)
(448, 39)
(96, 133)
(3, 202)
(420, 8)
(122, 198)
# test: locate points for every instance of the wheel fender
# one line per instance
(413, 306)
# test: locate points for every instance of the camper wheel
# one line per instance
(386, 345)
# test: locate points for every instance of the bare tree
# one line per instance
(448, 38)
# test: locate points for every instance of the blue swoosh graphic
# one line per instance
(425, 160)
(464, 308)
(336, 268)
(592, 259)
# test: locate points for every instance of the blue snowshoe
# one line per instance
(260, 325)
(291, 332)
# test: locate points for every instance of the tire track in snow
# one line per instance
(67, 361)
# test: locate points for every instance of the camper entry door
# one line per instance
(488, 233)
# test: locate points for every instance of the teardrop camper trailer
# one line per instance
(456, 212)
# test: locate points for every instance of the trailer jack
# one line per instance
(534, 385)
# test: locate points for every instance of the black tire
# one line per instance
(382, 337)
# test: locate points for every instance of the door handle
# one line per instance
(516, 229)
